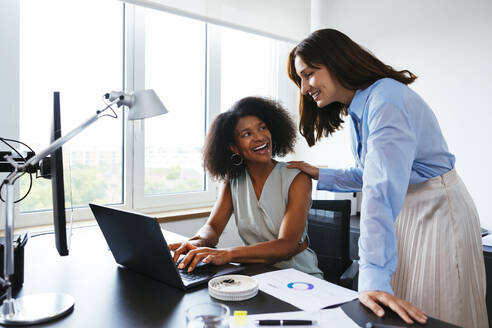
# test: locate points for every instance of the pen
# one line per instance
(285, 322)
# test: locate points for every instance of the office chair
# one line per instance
(329, 237)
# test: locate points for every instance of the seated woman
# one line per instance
(270, 202)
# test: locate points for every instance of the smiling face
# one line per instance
(318, 83)
(253, 140)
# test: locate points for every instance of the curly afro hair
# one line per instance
(217, 153)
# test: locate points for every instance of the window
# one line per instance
(247, 66)
(60, 51)
(253, 65)
(197, 69)
(175, 67)
(168, 162)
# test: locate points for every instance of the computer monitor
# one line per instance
(57, 186)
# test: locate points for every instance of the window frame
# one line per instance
(45, 217)
(172, 201)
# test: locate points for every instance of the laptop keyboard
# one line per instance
(201, 271)
(196, 274)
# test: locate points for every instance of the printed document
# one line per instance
(324, 318)
(303, 290)
(487, 240)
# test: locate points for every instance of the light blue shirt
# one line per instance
(397, 142)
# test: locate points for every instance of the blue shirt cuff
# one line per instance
(326, 179)
(373, 278)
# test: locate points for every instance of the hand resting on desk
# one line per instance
(406, 310)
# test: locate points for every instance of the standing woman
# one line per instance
(420, 245)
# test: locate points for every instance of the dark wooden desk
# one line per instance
(107, 295)
(487, 257)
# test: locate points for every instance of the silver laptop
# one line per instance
(137, 243)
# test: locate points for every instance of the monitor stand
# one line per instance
(36, 308)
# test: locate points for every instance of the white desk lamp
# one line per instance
(38, 308)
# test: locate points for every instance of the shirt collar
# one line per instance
(358, 103)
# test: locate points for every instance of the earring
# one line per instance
(236, 159)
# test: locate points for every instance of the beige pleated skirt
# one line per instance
(440, 260)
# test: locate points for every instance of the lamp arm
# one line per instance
(26, 310)
(60, 141)
(9, 182)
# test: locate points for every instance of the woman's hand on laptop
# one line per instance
(206, 255)
(183, 248)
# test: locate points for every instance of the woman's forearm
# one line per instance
(340, 180)
(207, 236)
(265, 252)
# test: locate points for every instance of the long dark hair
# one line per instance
(216, 151)
(350, 64)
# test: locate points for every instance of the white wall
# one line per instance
(448, 44)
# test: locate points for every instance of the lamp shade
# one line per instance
(144, 104)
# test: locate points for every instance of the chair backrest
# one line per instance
(329, 236)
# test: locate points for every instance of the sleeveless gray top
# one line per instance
(259, 220)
